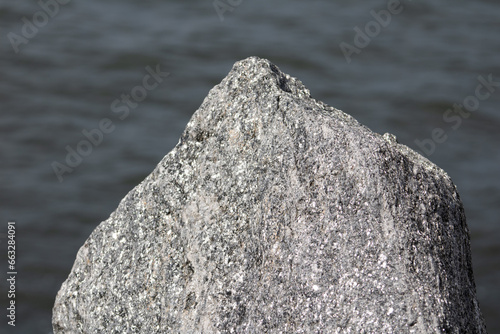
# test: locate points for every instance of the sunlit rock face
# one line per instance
(276, 213)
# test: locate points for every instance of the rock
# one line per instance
(276, 213)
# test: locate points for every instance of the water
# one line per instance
(66, 77)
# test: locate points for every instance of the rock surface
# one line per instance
(276, 213)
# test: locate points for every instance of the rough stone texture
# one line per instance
(276, 213)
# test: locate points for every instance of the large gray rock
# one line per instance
(276, 213)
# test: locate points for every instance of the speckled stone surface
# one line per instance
(276, 213)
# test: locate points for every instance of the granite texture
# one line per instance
(276, 213)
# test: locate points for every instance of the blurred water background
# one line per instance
(64, 78)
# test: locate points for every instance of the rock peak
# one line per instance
(262, 69)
